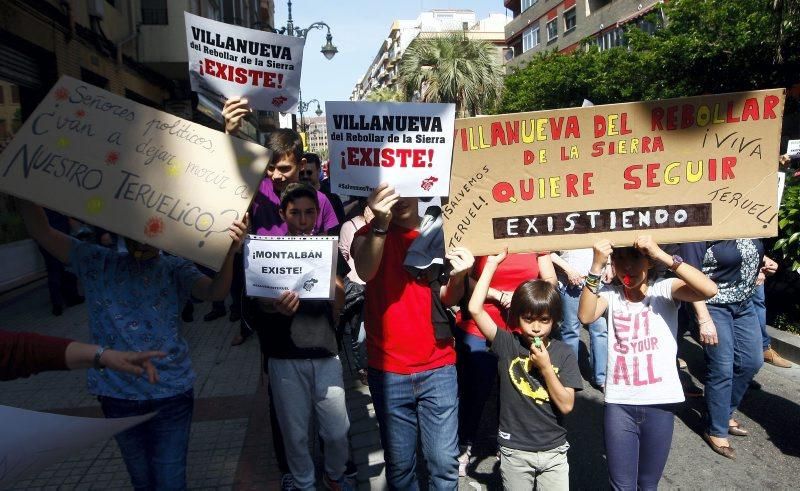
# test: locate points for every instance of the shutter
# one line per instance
(20, 69)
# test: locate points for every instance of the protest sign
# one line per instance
(697, 168)
(227, 61)
(32, 440)
(793, 148)
(133, 170)
(304, 265)
(408, 145)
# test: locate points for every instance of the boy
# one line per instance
(299, 343)
(310, 174)
(538, 379)
(134, 301)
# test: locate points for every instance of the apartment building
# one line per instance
(383, 71)
(317, 135)
(563, 25)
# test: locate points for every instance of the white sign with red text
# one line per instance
(227, 61)
(409, 145)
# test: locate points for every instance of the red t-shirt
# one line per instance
(400, 337)
(516, 269)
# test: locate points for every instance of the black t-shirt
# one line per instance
(309, 333)
(528, 419)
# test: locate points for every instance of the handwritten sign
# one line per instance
(32, 440)
(793, 148)
(228, 61)
(408, 145)
(304, 265)
(687, 169)
(134, 170)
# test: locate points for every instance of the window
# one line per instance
(530, 38)
(611, 39)
(154, 12)
(552, 30)
(570, 19)
(526, 4)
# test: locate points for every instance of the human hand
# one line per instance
(288, 303)
(540, 357)
(233, 111)
(461, 261)
(105, 239)
(769, 266)
(497, 258)
(708, 332)
(602, 251)
(380, 202)
(609, 274)
(574, 277)
(760, 278)
(237, 232)
(646, 245)
(132, 362)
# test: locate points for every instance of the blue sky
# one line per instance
(358, 28)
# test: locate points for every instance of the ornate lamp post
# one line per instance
(302, 107)
(329, 50)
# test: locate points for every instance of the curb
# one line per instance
(786, 344)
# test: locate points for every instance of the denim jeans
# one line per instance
(424, 404)
(154, 451)
(637, 441)
(759, 304)
(477, 373)
(570, 332)
(732, 363)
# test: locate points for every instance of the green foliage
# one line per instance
(452, 68)
(385, 94)
(788, 245)
(706, 46)
(785, 323)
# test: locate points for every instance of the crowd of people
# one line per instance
(429, 330)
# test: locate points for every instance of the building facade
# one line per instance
(564, 25)
(383, 71)
(317, 136)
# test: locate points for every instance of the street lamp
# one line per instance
(302, 107)
(329, 50)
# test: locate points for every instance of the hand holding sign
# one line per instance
(237, 232)
(602, 251)
(233, 111)
(380, 203)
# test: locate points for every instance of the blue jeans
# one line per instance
(477, 372)
(154, 451)
(570, 332)
(759, 303)
(732, 363)
(637, 442)
(425, 404)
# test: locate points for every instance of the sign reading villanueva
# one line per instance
(233, 61)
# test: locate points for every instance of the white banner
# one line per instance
(32, 440)
(793, 148)
(408, 145)
(227, 61)
(304, 265)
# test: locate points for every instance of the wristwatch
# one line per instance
(676, 261)
(97, 355)
(379, 231)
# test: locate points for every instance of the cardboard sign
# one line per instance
(697, 168)
(304, 265)
(133, 170)
(227, 61)
(408, 145)
(32, 440)
(793, 148)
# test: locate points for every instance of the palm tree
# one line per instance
(385, 94)
(453, 68)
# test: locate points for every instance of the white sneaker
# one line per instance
(463, 461)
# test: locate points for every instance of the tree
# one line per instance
(453, 68)
(385, 94)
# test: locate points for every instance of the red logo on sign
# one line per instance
(427, 184)
(154, 227)
(278, 101)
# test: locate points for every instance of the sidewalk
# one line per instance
(230, 445)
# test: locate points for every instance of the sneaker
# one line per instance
(463, 461)
(344, 483)
(773, 358)
(287, 482)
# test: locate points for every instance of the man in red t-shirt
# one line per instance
(412, 375)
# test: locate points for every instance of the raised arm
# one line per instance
(461, 261)
(591, 306)
(233, 111)
(484, 322)
(574, 276)
(205, 288)
(56, 243)
(546, 270)
(691, 286)
(367, 250)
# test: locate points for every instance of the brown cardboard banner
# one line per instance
(133, 170)
(696, 168)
